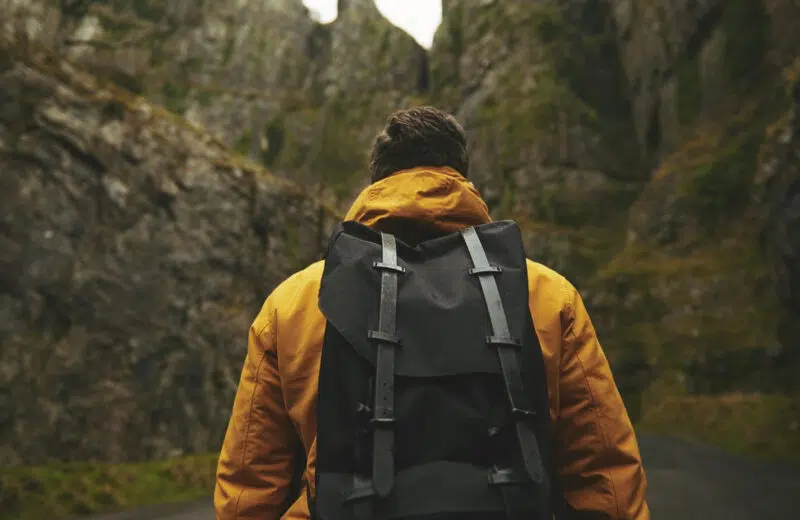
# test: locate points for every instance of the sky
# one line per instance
(420, 18)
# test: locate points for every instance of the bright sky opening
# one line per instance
(419, 18)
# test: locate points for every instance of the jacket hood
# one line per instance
(434, 200)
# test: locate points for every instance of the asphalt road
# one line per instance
(686, 482)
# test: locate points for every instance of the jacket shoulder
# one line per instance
(541, 277)
(299, 289)
(288, 289)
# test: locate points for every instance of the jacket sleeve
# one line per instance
(596, 452)
(255, 463)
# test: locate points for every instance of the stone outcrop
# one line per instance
(260, 75)
(711, 89)
(135, 252)
(539, 87)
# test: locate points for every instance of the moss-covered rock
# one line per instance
(679, 317)
(777, 194)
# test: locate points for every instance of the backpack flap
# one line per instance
(420, 407)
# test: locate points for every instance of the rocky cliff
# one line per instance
(649, 151)
(135, 252)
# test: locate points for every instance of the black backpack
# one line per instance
(429, 406)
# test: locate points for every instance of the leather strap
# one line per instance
(386, 341)
(506, 351)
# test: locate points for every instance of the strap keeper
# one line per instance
(383, 266)
(506, 476)
(362, 489)
(382, 422)
(498, 341)
(486, 269)
(383, 337)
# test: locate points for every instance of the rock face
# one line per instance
(540, 89)
(260, 75)
(135, 252)
(778, 178)
(711, 90)
(647, 149)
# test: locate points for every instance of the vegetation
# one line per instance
(64, 490)
(754, 425)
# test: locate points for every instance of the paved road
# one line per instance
(687, 482)
(691, 481)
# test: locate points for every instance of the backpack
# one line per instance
(432, 397)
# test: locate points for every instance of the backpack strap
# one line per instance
(364, 490)
(386, 341)
(509, 364)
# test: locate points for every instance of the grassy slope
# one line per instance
(747, 424)
(64, 490)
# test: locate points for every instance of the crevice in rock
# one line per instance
(423, 83)
(74, 149)
(54, 318)
(705, 28)
(653, 137)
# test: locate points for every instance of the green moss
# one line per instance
(244, 143)
(659, 313)
(153, 10)
(204, 97)
(578, 252)
(89, 488)
(550, 25)
(755, 425)
(275, 133)
(175, 96)
(715, 167)
(747, 29)
(722, 186)
(227, 52)
(339, 157)
(455, 22)
(132, 83)
(517, 118)
(7, 61)
(690, 98)
(114, 110)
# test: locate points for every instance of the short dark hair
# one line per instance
(421, 136)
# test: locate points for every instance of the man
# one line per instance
(419, 192)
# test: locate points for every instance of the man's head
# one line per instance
(422, 136)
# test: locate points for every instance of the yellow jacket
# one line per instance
(596, 454)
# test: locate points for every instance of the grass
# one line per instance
(760, 426)
(64, 490)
